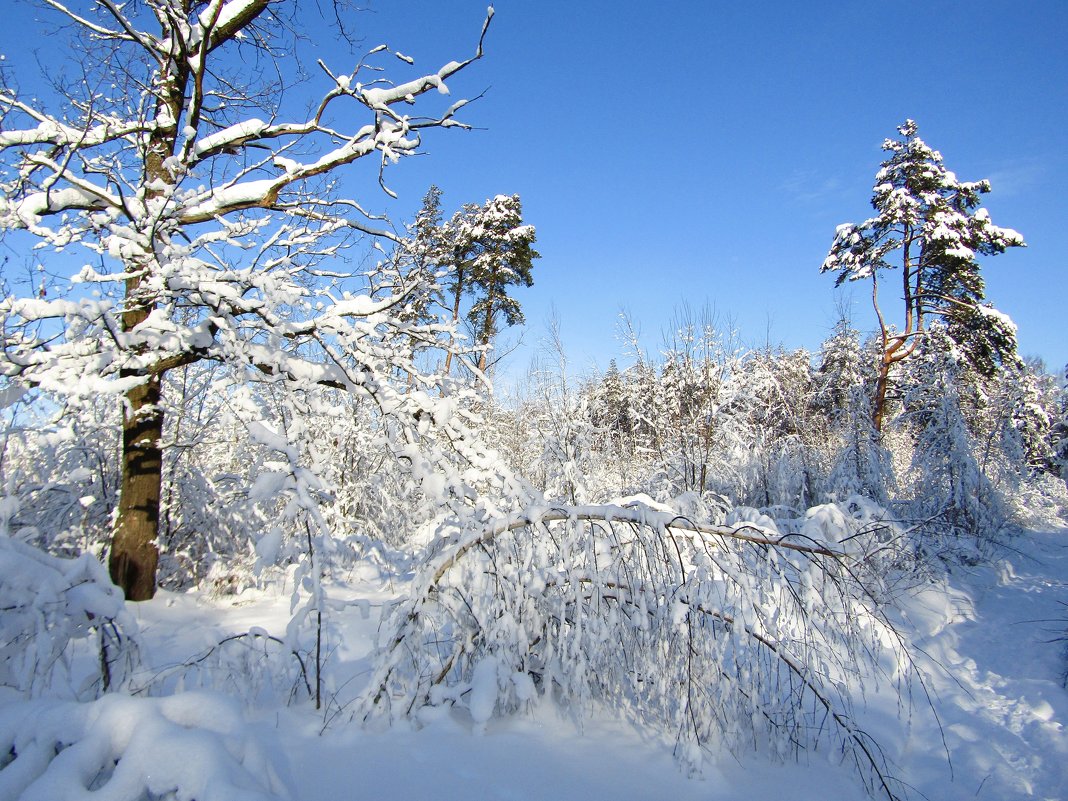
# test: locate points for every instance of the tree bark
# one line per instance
(458, 292)
(134, 548)
(487, 335)
(881, 384)
(134, 551)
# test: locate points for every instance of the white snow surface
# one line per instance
(994, 674)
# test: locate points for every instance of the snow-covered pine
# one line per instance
(1059, 430)
(953, 491)
(930, 223)
(484, 251)
(859, 462)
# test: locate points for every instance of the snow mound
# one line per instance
(121, 748)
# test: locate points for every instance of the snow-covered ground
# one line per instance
(993, 673)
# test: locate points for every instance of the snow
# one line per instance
(121, 748)
(235, 134)
(484, 692)
(1003, 320)
(234, 9)
(246, 192)
(994, 675)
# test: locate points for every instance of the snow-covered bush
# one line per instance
(726, 635)
(61, 472)
(49, 605)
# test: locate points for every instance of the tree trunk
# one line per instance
(134, 552)
(134, 549)
(487, 335)
(879, 405)
(458, 292)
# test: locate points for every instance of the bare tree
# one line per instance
(210, 228)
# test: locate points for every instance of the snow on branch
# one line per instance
(179, 132)
(717, 634)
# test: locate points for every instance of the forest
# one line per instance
(260, 501)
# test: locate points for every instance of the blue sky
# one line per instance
(702, 153)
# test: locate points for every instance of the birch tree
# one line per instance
(205, 207)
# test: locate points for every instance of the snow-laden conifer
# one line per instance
(929, 224)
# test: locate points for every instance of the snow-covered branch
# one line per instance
(716, 634)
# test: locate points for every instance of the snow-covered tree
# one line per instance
(558, 419)
(930, 225)
(1059, 433)
(503, 257)
(423, 252)
(952, 487)
(844, 381)
(840, 371)
(718, 635)
(485, 251)
(206, 207)
(778, 405)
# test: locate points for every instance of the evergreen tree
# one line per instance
(930, 224)
(501, 256)
(426, 250)
(609, 409)
(1059, 432)
(485, 250)
(840, 372)
(952, 484)
(1024, 414)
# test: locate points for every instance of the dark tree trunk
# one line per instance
(134, 549)
(134, 552)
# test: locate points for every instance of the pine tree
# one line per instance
(840, 371)
(930, 224)
(501, 256)
(426, 251)
(940, 410)
(1059, 432)
(609, 409)
(485, 250)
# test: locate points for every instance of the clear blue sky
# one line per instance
(703, 152)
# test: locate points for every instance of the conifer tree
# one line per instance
(947, 468)
(930, 225)
(1059, 432)
(503, 257)
(488, 249)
